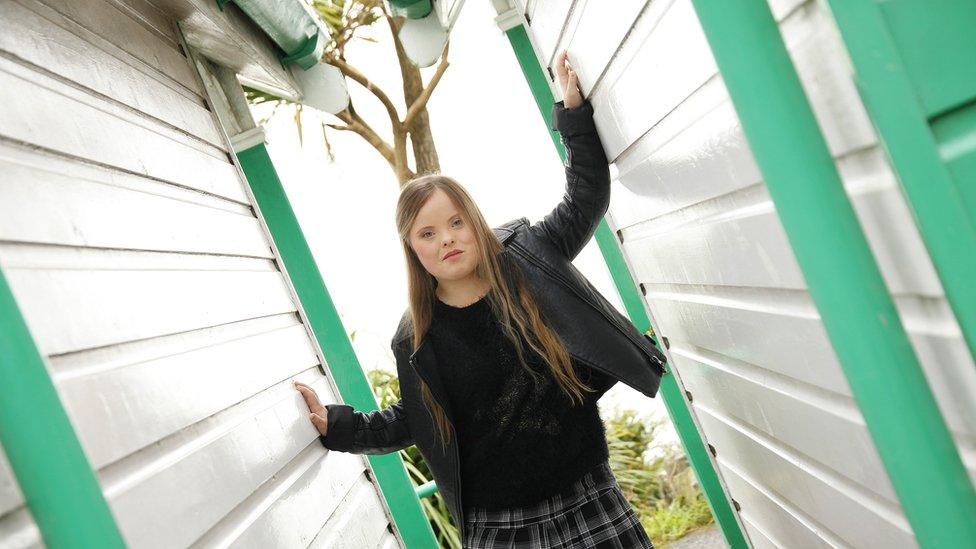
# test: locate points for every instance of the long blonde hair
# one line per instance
(508, 296)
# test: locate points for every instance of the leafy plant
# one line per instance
(655, 477)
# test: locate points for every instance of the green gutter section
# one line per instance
(939, 209)
(47, 459)
(674, 401)
(411, 9)
(844, 281)
(289, 25)
(325, 324)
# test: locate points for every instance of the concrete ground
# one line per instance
(709, 537)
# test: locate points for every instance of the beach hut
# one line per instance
(792, 221)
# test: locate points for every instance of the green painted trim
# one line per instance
(411, 9)
(843, 278)
(535, 77)
(325, 324)
(306, 56)
(674, 401)
(50, 466)
(426, 490)
(939, 209)
(289, 25)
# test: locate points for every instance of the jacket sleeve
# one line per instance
(574, 220)
(376, 432)
(596, 379)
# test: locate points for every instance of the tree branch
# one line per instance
(356, 124)
(353, 73)
(421, 101)
(396, 23)
(360, 14)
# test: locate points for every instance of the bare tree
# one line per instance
(343, 19)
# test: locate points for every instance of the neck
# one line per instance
(461, 292)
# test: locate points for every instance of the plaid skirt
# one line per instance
(592, 512)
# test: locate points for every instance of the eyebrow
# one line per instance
(455, 214)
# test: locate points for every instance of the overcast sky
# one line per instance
(489, 136)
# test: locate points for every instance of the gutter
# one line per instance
(298, 32)
(290, 25)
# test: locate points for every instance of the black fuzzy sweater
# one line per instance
(520, 441)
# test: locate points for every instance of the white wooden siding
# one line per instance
(702, 236)
(154, 94)
(132, 247)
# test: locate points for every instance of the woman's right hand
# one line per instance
(318, 414)
(568, 81)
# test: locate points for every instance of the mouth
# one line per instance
(452, 254)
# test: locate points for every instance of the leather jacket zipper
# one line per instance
(529, 257)
(457, 457)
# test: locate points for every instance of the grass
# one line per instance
(675, 520)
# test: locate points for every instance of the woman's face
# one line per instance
(438, 230)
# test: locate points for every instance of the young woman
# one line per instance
(502, 356)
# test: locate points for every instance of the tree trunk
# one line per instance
(418, 132)
(424, 151)
(401, 168)
(421, 139)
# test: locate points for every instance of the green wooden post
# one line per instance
(330, 334)
(674, 401)
(58, 484)
(843, 278)
(938, 205)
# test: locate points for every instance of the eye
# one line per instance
(453, 223)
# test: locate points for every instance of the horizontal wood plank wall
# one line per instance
(130, 243)
(722, 283)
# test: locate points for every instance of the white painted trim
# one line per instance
(509, 19)
(247, 139)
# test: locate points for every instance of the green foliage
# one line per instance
(339, 15)
(654, 477)
(676, 520)
(330, 11)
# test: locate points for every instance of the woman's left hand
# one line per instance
(568, 82)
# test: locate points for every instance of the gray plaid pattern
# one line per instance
(591, 513)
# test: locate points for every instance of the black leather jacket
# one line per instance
(594, 332)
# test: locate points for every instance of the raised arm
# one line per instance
(571, 224)
(574, 220)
